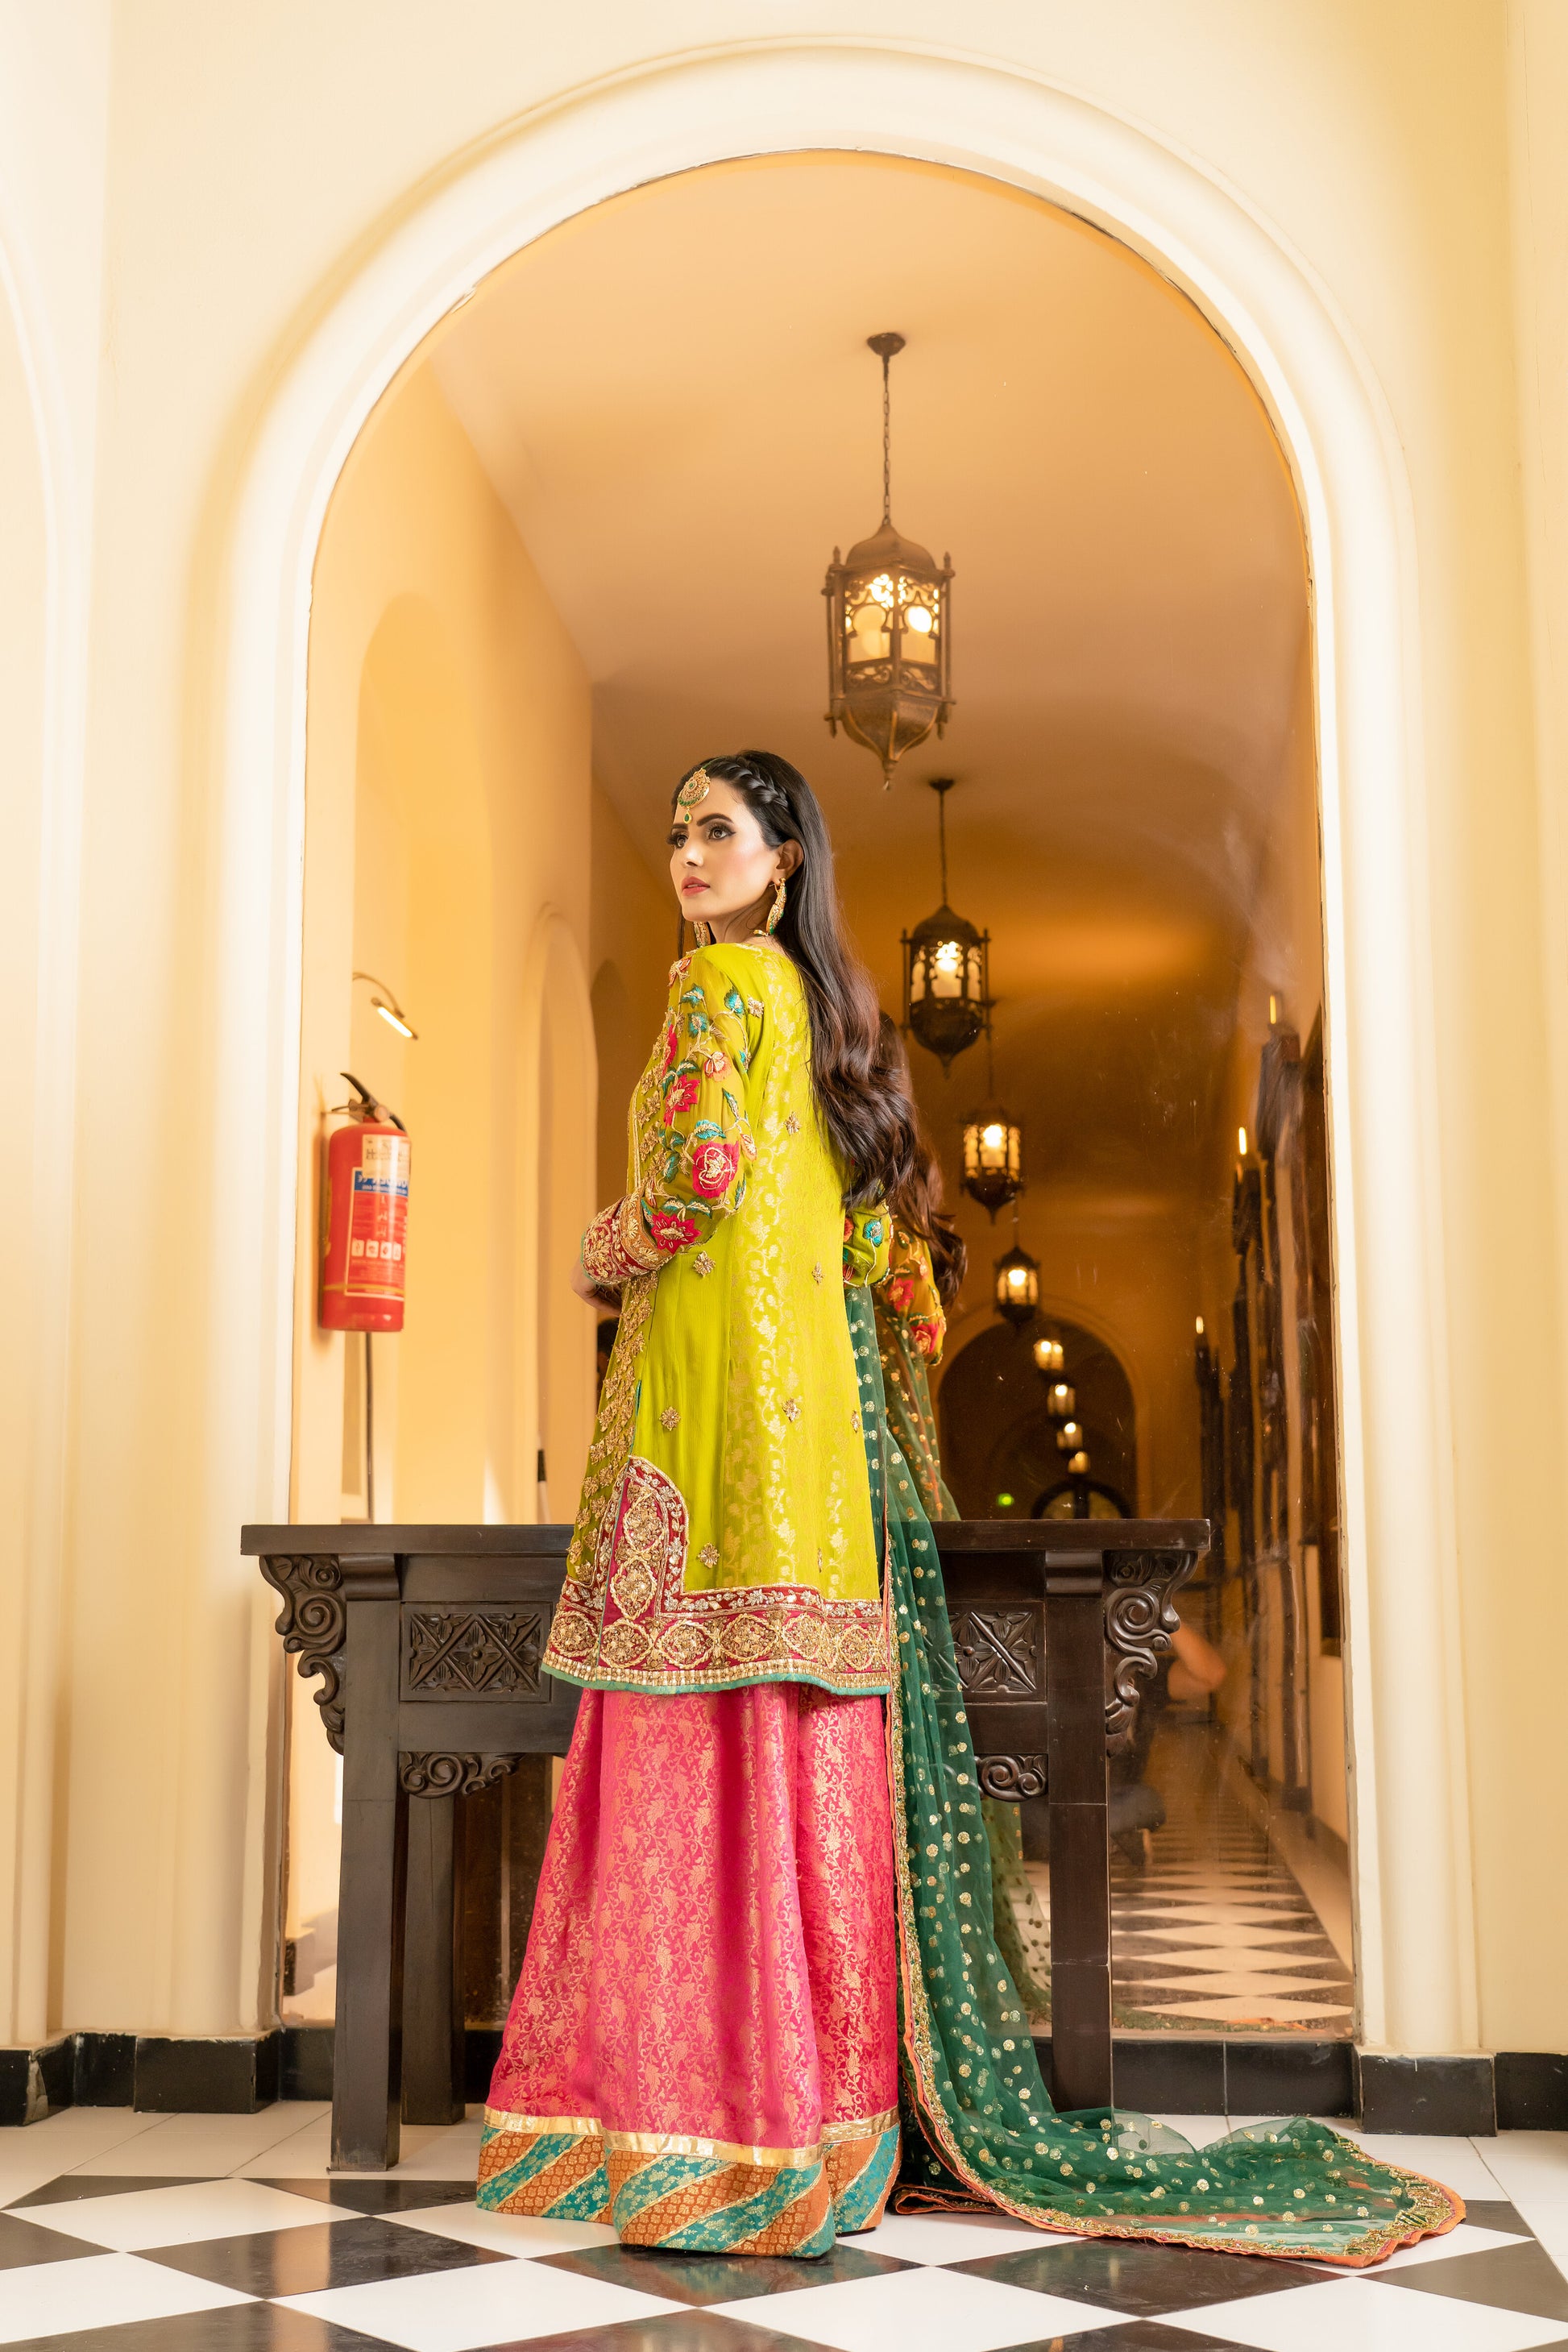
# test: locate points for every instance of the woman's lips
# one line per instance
(690, 890)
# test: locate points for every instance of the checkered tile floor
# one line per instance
(1215, 1933)
(114, 2254)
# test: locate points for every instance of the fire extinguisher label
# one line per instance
(378, 1219)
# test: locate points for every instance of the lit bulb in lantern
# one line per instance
(1200, 1327)
(947, 968)
(1241, 1140)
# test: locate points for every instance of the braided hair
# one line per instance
(874, 1139)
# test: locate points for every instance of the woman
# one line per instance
(705, 2047)
(702, 2046)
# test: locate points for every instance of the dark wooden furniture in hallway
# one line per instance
(428, 1640)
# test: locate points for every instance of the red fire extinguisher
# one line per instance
(364, 1222)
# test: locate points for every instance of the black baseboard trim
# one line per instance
(156, 2073)
(1191, 2074)
(306, 2065)
(1471, 2095)
(1531, 2088)
(1250, 2074)
(1441, 2095)
(36, 2082)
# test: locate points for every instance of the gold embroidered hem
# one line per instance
(631, 1625)
(675, 2189)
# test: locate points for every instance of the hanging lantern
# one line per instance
(1079, 1467)
(1017, 1286)
(1069, 1437)
(887, 639)
(1061, 1400)
(947, 969)
(992, 1158)
(1050, 1356)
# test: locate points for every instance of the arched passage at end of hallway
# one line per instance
(1058, 147)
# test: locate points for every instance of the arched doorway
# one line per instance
(999, 1439)
(1038, 139)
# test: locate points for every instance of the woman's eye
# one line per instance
(678, 839)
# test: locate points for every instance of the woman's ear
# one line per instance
(790, 858)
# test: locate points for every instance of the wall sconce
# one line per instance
(384, 1002)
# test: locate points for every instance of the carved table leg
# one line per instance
(1080, 1845)
(367, 2053)
(432, 2013)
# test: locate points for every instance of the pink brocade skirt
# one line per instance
(702, 2048)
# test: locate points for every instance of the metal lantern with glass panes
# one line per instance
(1050, 1356)
(947, 967)
(1061, 1400)
(1017, 1286)
(992, 1158)
(1069, 1437)
(888, 635)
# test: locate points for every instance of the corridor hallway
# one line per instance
(1215, 1933)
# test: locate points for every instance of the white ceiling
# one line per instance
(673, 397)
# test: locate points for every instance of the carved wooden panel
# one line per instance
(473, 1653)
(312, 1623)
(1013, 1778)
(445, 1775)
(1139, 1623)
(998, 1651)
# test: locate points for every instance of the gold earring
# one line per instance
(702, 935)
(777, 915)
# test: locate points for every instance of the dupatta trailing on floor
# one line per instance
(979, 2128)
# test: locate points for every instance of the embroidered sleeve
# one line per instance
(706, 1146)
(867, 1233)
(911, 1291)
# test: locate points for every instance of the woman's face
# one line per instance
(724, 872)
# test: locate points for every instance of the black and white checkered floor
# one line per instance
(223, 2233)
(1214, 1932)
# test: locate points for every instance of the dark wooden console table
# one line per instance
(427, 1641)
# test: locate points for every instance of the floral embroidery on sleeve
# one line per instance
(707, 1142)
(911, 1291)
(867, 1233)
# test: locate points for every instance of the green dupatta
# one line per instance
(979, 2129)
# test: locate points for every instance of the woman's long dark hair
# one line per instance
(918, 1202)
(868, 1129)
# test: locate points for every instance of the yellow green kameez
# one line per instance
(723, 1537)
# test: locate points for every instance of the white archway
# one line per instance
(1409, 1793)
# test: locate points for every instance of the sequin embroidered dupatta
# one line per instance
(978, 2127)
